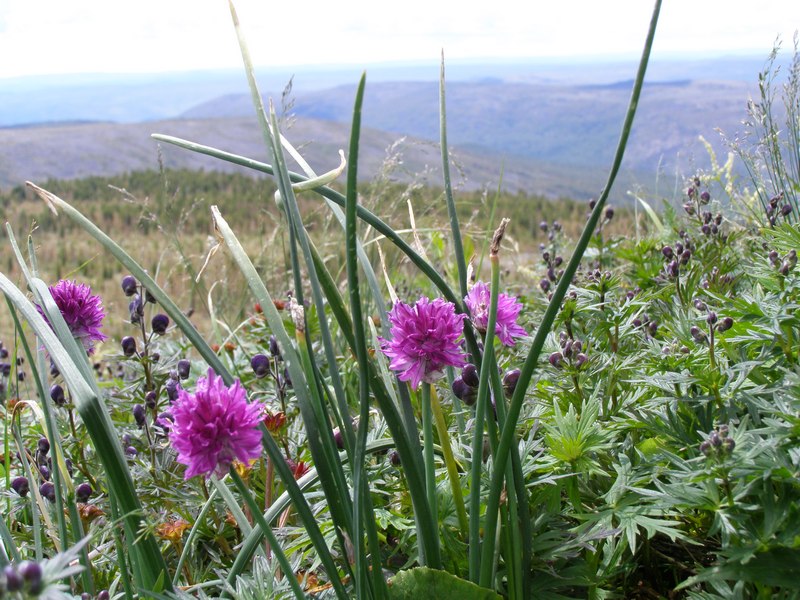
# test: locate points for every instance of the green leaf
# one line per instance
(775, 567)
(422, 583)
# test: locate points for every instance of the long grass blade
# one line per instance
(527, 370)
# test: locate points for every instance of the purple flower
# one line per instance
(214, 426)
(82, 311)
(424, 340)
(508, 308)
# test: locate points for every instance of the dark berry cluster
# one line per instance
(777, 208)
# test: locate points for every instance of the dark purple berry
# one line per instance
(21, 486)
(129, 285)
(260, 364)
(159, 323)
(128, 345)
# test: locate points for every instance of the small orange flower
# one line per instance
(172, 530)
(258, 308)
(215, 348)
(279, 304)
(230, 347)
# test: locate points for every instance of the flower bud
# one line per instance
(172, 386)
(725, 324)
(715, 439)
(139, 415)
(159, 323)
(609, 213)
(729, 445)
(699, 304)
(705, 197)
(131, 452)
(261, 365)
(129, 285)
(43, 446)
(150, 399)
(136, 309)
(580, 360)
(13, 579)
(128, 345)
(786, 209)
(711, 318)
(556, 358)
(184, 366)
(723, 430)
(48, 490)
(31, 573)
(44, 471)
(274, 349)
(470, 375)
(510, 380)
(466, 393)
(21, 486)
(705, 447)
(57, 395)
(667, 252)
(83, 492)
(544, 284)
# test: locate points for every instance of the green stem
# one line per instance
(433, 562)
(267, 530)
(450, 463)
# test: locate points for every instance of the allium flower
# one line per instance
(82, 311)
(214, 426)
(424, 340)
(508, 308)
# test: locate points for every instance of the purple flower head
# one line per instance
(215, 425)
(424, 340)
(508, 309)
(82, 311)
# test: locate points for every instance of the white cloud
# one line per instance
(52, 36)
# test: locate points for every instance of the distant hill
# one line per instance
(575, 125)
(73, 151)
(550, 126)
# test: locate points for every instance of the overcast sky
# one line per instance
(91, 36)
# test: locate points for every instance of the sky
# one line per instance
(39, 37)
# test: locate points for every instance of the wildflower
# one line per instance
(83, 492)
(129, 285)
(57, 395)
(82, 311)
(424, 340)
(184, 366)
(21, 486)
(172, 530)
(159, 323)
(508, 309)
(214, 426)
(274, 421)
(260, 365)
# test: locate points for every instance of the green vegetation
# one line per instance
(359, 421)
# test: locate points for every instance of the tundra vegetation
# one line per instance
(336, 396)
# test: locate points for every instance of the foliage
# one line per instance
(641, 442)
